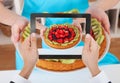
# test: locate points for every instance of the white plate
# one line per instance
(72, 51)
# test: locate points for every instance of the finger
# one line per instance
(15, 33)
(87, 42)
(26, 42)
(33, 41)
(94, 44)
(77, 24)
(42, 32)
(106, 24)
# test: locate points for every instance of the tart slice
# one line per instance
(98, 34)
(25, 33)
(62, 36)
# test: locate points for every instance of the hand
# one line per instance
(76, 22)
(28, 50)
(100, 15)
(90, 55)
(40, 27)
(17, 28)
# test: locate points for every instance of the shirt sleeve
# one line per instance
(100, 78)
(19, 79)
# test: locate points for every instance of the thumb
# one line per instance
(33, 41)
(76, 23)
(42, 32)
(87, 42)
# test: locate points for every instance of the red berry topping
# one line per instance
(61, 33)
(71, 38)
(70, 29)
(66, 40)
(50, 37)
(62, 36)
(60, 40)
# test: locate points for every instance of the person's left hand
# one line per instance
(101, 16)
(28, 50)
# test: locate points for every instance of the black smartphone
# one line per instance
(60, 36)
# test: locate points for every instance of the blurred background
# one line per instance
(7, 50)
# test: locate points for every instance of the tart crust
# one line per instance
(59, 46)
(58, 66)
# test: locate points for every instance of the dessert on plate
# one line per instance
(97, 32)
(62, 36)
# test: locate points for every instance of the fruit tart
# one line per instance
(97, 32)
(62, 36)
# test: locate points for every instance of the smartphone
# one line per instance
(60, 36)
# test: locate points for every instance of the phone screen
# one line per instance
(60, 36)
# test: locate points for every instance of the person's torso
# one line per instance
(41, 6)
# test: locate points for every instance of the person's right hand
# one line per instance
(40, 27)
(90, 55)
(17, 28)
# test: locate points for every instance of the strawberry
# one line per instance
(53, 32)
(57, 30)
(71, 38)
(56, 33)
(50, 31)
(60, 40)
(66, 33)
(73, 33)
(50, 37)
(62, 36)
(70, 29)
(61, 32)
(57, 36)
(66, 40)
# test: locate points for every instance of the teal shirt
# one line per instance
(40, 6)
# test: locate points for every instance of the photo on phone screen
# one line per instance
(60, 36)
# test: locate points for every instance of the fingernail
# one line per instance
(87, 36)
(33, 35)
